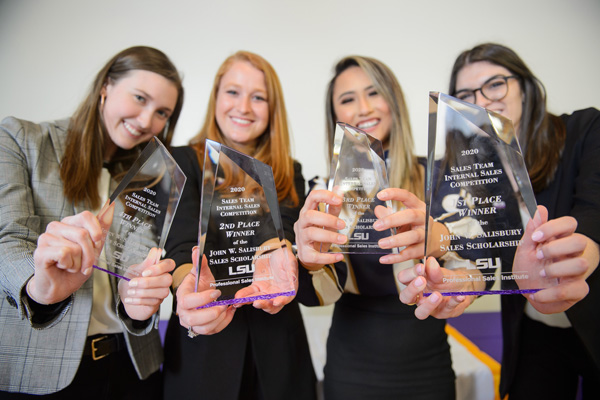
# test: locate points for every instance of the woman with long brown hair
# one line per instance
(66, 332)
(257, 351)
(550, 337)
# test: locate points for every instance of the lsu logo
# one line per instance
(487, 263)
(360, 236)
(241, 269)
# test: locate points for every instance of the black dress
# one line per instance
(258, 356)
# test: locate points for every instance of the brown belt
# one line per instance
(99, 346)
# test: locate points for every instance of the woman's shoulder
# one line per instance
(15, 126)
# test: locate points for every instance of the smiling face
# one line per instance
(358, 103)
(475, 75)
(242, 106)
(136, 108)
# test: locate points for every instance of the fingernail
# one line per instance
(340, 224)
(131, 292)
(434, 298)
(133, 283)
(214, 294)
(378, 224)
(543, 273)
(384, 243)
(419, 269)
(128, 300)
(537, 236)
(460, 299)
(87, 271)
(420, 282)
(341, 239)
(147, 272)
(539, 255)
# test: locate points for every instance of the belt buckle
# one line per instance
(94, 349)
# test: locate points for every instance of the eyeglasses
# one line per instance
(494, 89)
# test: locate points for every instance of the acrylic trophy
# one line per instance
(242, 247)
(358, 172)
(138, 215)
(478, 188)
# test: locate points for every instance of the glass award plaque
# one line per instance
(358, 172)
(478, 187)
(139, 212)
(242, 247)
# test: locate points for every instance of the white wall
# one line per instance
(51, 50)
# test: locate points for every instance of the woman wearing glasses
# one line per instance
(550, 337)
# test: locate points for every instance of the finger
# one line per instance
(556, 228)
(321, 196)
(408, 253)
(568, 268)
(570, 292)
(427, 306)
(412, 292)
(408, 238)
(409, 274)
(406, 197)
(205, 317)
(163, 267)
(78, 242)
(87, 221)
(405, 217)
(187, 300)
(572, 245)
(216, 326)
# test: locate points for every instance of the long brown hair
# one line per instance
(273, 146)
(83, 158)
(542, 134)
(403, 166)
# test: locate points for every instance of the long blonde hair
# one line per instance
(404, 170)
(273, 146)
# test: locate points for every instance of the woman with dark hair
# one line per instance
(66, 332)
(550, 337)
(254, 351)
(377, 347)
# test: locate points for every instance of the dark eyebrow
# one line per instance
(352, 91)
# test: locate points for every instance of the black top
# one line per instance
(575, 191)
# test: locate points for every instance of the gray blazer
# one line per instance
(42, 359)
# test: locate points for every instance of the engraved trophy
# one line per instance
(358, 172)
(138, 214)
(242, 247)
(478, 187)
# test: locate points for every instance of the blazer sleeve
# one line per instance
(27, 151)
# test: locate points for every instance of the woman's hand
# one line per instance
(64, 257)
(409, 223)
(310, 235)
(557, 252)
(280, 273)
(430, 276)
(142, 296)
(201, 321)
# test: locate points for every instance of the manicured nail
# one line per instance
(543, 273)
(537, 236)
(147, 272)
(133, 283)
(385, 243)
(420, 282)
(378, 224)
(214, 294)
(131, 292)
(87, 271)
(340, 224)
(539, 255)
(419, 269)
(434, 298)
(341, 239)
